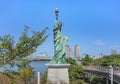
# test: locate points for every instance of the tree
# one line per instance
(108, 60)
(71, 61)
(26, 45)
(87, 60)
(26, 74)
(97, 62)
(25, 71)
(75, 72)
(11, 51)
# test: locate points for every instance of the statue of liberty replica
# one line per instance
(59, 42)
(58, 68)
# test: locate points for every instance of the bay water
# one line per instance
(39, 66)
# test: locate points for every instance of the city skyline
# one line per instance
(94, 25)
(73, 53)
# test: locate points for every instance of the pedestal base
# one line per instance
(57, 73)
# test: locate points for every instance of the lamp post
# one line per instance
(111, 73)
(38, 78)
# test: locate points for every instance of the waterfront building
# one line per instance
(77, 52)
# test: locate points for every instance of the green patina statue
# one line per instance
(59, 43)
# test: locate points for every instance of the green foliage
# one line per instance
(97, 62)
(26, 45)
(8, 78)
(91, 78)
(44, 79)
(26, 74)
(108, 60)
(25, 71)
(71, 61)
(6, 48)
(10, 52)
(87, 60)
(75, 72)
(77, 82)
(23, 64)
(97, 80)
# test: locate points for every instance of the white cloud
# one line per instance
(114, 46)
(99, 42)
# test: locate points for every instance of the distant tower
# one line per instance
(77, 52)
(113, 51)
(68, 51)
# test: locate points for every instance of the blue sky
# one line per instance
(92, 24)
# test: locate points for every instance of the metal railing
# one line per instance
(112, 72)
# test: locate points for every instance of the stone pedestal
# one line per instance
(57, 73)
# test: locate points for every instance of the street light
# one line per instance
(111, 73)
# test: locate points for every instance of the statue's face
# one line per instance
(58, 26)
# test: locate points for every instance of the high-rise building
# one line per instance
(113, 51)
(68, 52)
(77, 52)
